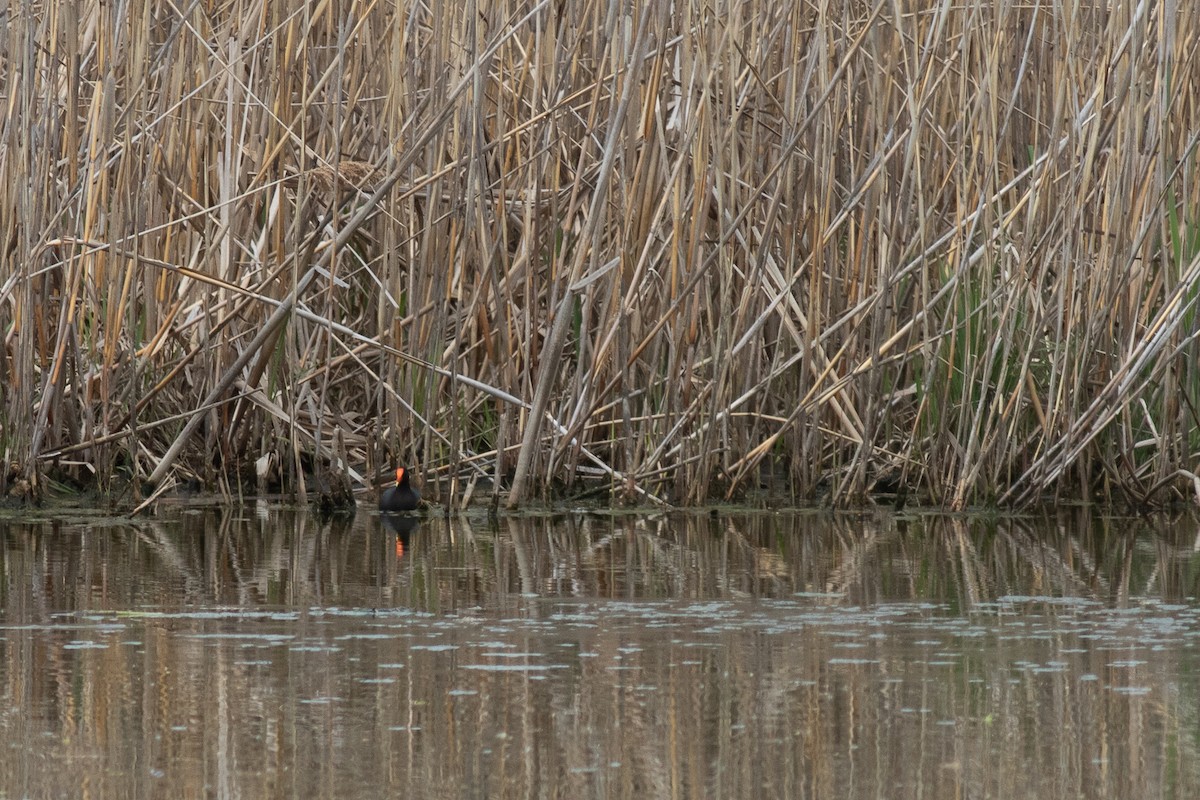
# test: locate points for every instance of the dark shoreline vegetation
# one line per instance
(683, 251)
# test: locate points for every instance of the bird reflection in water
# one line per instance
(403, 526)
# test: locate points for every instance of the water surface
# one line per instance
(258, 652)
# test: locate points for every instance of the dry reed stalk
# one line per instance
(946, 251)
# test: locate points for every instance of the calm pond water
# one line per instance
(257, 652)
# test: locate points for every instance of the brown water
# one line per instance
(259, 653)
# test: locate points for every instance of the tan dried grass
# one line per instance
(951, 250)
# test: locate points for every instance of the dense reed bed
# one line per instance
(950, 250)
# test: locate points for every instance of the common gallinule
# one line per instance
(402, 496)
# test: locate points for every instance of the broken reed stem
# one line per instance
(551, 353)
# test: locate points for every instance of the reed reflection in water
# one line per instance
(259, 652)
